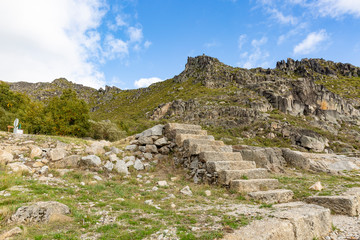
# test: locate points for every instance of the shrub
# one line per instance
(105, 130)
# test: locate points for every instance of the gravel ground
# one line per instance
(347, 228)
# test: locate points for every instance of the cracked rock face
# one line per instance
(39, 212)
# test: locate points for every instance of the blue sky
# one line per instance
(132, 43)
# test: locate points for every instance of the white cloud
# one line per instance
(135, 34)
(145, 82)
(147, 44)
(241, 41)
(115, 48)
(120, 21)
(311, 42)
(337, 8)
(41, 40)
(257, 57)
(281, 18)
(259, 42)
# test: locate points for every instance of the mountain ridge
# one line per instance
(229, 100)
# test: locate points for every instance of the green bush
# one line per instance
(105, 130)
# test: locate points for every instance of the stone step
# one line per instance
(191, 142)
(176, 132)
(172, 126)
(179, 139)
(196, 149)
(254, 185)
(227, 175)
(212, 156)
(346, 204)
(218, 166)
(272, 196)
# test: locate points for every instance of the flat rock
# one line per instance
(70, 161)
(342, 166)
(39, 212)
(269, 229)
(312, 143)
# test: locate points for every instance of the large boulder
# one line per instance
(295, 159)
(312, 143)
(40, 212)
(5, 157)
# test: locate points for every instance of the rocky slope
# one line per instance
(298, 104)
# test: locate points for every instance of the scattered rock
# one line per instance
(186, 191)
(57, 154)
(70, 161)
(163, 184)
(5, 157)
(109, 166)
(121, 167)
(19, 167)
(208, 193)
(39, 212)
(138, 165)
(316, 186)
(35, 152)
(11, 233)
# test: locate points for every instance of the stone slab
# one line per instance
(254, 185)
(196, 149)
(272, 196)
(269, 229)
(309, 221)
(212, 156)
(217, 166)
(181, 137)
(345, 205)
(227, 175)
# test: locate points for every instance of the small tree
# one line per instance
(67, 115)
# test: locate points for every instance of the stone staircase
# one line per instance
(216, 162)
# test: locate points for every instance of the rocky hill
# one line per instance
(310, 104)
